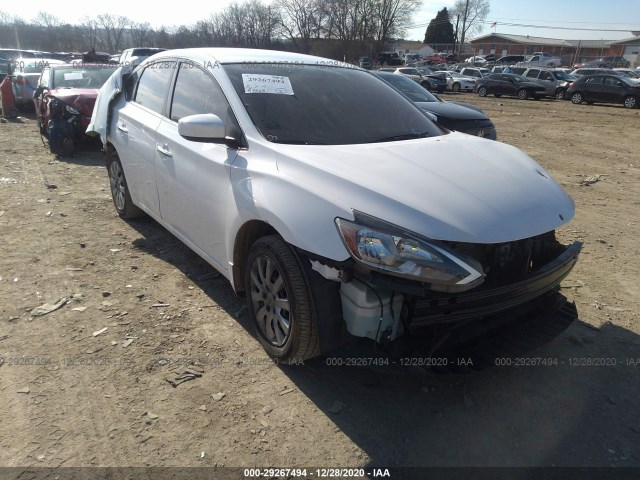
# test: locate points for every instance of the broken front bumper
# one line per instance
(484, 302)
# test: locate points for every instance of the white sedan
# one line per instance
(456, 82)
(331, 201)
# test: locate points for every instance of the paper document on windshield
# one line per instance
(73, 76)
(276, 84)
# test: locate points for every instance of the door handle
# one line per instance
(123, 128)
(164, 150)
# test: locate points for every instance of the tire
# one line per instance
(630, 102)
(560, 94)
(119, 189)
(455, 87)
(280, 305)
(523, 94)
(576, 98)
(482, 91)
(497, 95)
(426, 85)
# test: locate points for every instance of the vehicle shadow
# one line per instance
(570, 403)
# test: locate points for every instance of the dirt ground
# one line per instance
(86, 385)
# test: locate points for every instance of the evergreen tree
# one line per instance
(440, 29)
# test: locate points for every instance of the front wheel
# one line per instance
(576, 98)
(482, 91)
(456, 87)
(630, 102)
(560, 94)
(119, 189)
(426, 85)
(523, 94)
(279, 301)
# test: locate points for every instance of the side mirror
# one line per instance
(206, 128)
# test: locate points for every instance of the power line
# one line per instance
(523, 25)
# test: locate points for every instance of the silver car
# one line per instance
(555, 81)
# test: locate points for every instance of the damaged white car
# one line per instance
(330, 200)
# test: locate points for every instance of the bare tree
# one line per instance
(300, 21)
(49, 31)
(393, 17)
(89, 29)
(472, 14)
(111, 28)
(141, 33)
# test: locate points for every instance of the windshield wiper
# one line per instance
(298, 142)
(397, 138)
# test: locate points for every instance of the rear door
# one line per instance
(593, 89)
(613, 90)
(193, 177)
(134, 130)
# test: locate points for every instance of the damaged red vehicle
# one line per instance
(65, 97)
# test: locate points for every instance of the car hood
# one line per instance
(452, 187)
(82, 99)
(452, 110)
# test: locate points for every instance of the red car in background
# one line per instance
(68, 92)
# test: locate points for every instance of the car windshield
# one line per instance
(518, 78)
(563, 76)
(75, 77)
(410, 88)
(455, 74)
(325, 105)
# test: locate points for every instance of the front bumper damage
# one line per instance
(531, 304)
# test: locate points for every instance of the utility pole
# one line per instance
(464, 25)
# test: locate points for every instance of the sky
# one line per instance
(571, 15)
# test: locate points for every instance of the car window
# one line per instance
(533, 73)
(612, 82)
(309, 104)
(546, 76)
(594, 80)
(410, 88)
(154, 85)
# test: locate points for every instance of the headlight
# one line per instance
(387, 248)
(72, 110)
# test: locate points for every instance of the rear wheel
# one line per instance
(630, 102)
(577, 98)
(482, 91)
(119, 189)
(523, 94)
(279, 301)
(456, 87)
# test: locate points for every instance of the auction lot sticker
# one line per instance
(266, 84)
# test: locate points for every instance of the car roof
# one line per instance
(239, 55)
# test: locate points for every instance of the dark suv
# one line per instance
(510, 59)
(606, 62)
(389, 58)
